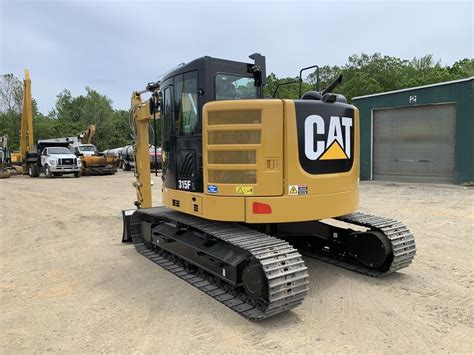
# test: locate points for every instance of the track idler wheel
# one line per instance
(372, 249)
(255, 282)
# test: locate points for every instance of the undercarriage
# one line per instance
(258, 270)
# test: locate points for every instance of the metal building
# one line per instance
(421, 134)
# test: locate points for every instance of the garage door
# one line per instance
(414, 143)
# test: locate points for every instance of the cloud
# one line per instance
(116, 47)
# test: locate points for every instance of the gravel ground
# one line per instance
(69, 285)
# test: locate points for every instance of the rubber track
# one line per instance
(402, 240)
(283, 265)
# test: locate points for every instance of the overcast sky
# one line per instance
(116, 47)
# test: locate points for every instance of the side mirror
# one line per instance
(154, 104)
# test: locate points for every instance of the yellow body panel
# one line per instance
(16, 157)
(259, 142)
(303, 208)
(284, 208)
(219, 208)
(328, 195)
(320, 184)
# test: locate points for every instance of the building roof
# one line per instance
(414, 88)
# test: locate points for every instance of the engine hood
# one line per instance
(62, 156)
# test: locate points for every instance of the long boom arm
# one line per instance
(90, 133)
(26, 135)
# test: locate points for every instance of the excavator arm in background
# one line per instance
(93, 163)
(88, 134)
(26, 132)
(26, 136)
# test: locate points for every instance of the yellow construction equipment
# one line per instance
(248, 186)
(93, 163)
(26, 133)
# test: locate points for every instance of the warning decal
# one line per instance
(244, 190)
(295, 190)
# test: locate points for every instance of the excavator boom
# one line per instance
(26, 131)
(26, 136)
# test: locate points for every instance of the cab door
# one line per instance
(188, 133)
(168, 137)
(44, 154)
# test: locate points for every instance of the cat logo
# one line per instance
(336, 139)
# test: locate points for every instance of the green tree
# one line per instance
(11, 94)
(363, 74)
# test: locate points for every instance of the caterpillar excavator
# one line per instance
(249, 185)
(93, 163)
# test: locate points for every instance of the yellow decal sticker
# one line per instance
(293, 190)
(244, 190)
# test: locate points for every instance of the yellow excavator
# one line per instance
(250, 184)
(26, 132)
(93, 163)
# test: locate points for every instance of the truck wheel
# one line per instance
(47, 172)
(127, 167)
(77, 174)
(33, 170)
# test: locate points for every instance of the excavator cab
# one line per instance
(184, 92)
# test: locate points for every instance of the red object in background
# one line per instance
(261, 208)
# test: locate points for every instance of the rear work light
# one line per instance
(261, 208)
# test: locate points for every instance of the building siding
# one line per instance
(460, 93)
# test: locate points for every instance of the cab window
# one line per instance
(186, 103)
(234, 87)
(168, 122)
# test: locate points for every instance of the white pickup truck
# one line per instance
(54, 161)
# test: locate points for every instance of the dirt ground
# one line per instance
(69, 285)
